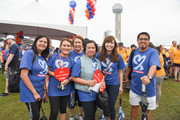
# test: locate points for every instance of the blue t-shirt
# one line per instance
(14, 49)
(53, 62)
(112, 72)
(84, 96)
(39, 70)
(75, 55)
(22, 51)
(141, 63)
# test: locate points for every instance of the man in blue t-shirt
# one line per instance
(12, 60)
(144, 64)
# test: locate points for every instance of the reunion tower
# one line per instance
(117, 9)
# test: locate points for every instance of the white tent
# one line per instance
(34, 29)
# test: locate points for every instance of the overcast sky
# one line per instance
(160, 18)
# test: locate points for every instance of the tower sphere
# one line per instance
(117, 8)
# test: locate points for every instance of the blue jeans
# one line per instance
(113, 91)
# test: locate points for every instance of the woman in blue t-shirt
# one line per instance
(77, 43)
(57, 95)
(82, 75)
(33, 74)
(114, 75)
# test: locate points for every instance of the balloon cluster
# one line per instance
(72, 36)
(72, 5)
(90, 10)
(19, 37)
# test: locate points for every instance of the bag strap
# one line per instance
(132, 55)
(42, 109)
(106, 69)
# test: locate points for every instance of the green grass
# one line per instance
(169, 105)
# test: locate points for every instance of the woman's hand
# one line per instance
(65, 82)
(91, 83)
(37, 97)
(45, 96)
(120, 90)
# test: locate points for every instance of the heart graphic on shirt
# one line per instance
(98, 76)
(65, 64)
(105, 65)
(139, 60)
(61, 73)
(42, 63)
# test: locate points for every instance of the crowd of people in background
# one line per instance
(148, 65)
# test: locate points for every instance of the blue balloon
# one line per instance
(72, 4)
(89, 8)
(22, 37)
(90, 12)
(91, 16)
(19, 44)
(72, 20)
(87, 5)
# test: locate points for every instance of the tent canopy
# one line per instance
(33, 29)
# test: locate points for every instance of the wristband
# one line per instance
(150, 78)
(45, 90)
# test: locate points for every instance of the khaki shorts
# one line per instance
(134, 100)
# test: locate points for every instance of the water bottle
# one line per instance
(103, 117)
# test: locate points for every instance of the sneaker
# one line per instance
(4, 94)
(157, 105)
(79, 117)
(165, 78)
(71, 118)
(170, 77)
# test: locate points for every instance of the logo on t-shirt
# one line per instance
(63, 64)
(138, 61)
(76, 58)
(105, 66)
(43, 64)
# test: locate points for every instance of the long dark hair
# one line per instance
(103, 52)
(44, 53)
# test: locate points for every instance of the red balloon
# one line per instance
(93, 9)
(5, 42)
(71, 37)
(87, 14)
(18, 34)
(86, 11)
(21, 32)
(92, 5)
(90, 2)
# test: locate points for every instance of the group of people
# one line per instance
(80, 60)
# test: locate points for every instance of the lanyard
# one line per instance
(94, 65)
(60, 60)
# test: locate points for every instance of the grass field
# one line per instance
(169, 106)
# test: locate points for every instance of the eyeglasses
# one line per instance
(145, 39)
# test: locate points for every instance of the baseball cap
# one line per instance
(10, 37)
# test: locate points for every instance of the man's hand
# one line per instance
(37, 97)
(120, 90)
(127, 82)
(145, 80)
(6, 68)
